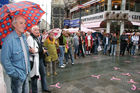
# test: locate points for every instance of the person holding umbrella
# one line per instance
(15, 52)
(15, 57)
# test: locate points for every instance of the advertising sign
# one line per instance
(74, 23)
(66, 22)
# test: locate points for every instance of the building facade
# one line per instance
(109, 15)
(57, 15)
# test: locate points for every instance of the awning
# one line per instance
(92, 25)
(136, 23)
(83, 29)
(84, 5)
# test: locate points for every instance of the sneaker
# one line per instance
(62, 66)
(48, 74)
(46, 91)
(55, 73)
(72, 63)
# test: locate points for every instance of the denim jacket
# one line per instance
(12, 56)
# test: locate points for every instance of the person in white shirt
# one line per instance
(134, 40)
(34, 57)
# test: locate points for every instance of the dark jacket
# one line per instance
(114, 40)
(62, 40)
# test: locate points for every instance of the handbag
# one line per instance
(99, 48)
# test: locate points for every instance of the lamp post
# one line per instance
(80, 6)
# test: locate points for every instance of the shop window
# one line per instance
(137, 7)
(116, 6)
(97, 8)
(131, 4)
(127, 6)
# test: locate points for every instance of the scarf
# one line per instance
(51, 42)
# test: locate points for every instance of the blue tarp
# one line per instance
(3, 2)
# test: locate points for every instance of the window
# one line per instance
(116, 4)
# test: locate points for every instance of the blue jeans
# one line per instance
(113, 49)
(17, 86)
(76, 47)
(43, 74)
(133, 50)
(95, 49)
(61, 55)
(105, 48)
(34, 84)
(71, 56)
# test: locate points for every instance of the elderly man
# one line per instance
(15, 57)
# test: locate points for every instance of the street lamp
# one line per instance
(80, 8)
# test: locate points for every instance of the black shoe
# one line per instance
(46, 91)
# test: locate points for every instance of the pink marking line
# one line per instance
(132, 81)
(133, 87)
(135, 56)
(126, 74)
(56, 85)
(98, 76)
(127, 61)
(138, 72)
(113, 78)
(116, 68)
(95, 57)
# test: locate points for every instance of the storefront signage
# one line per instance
(66, 22)
(74, 23)
(94, 17)
(134, 16)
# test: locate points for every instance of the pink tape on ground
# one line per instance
(98, 76)
(133, 87)
(113, 78)
(132, 81)
(126, 74)
(116, 68)
(57, 85)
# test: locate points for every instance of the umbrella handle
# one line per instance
(9, 16)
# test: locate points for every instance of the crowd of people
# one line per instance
(31, 54)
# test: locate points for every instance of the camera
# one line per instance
(47, 51)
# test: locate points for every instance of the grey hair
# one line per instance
(14, 20)
(34, 27)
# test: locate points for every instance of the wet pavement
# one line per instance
(81, 77)
(93, 74)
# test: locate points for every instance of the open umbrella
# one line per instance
(30, 11)
(56, 31)
(72, 30)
